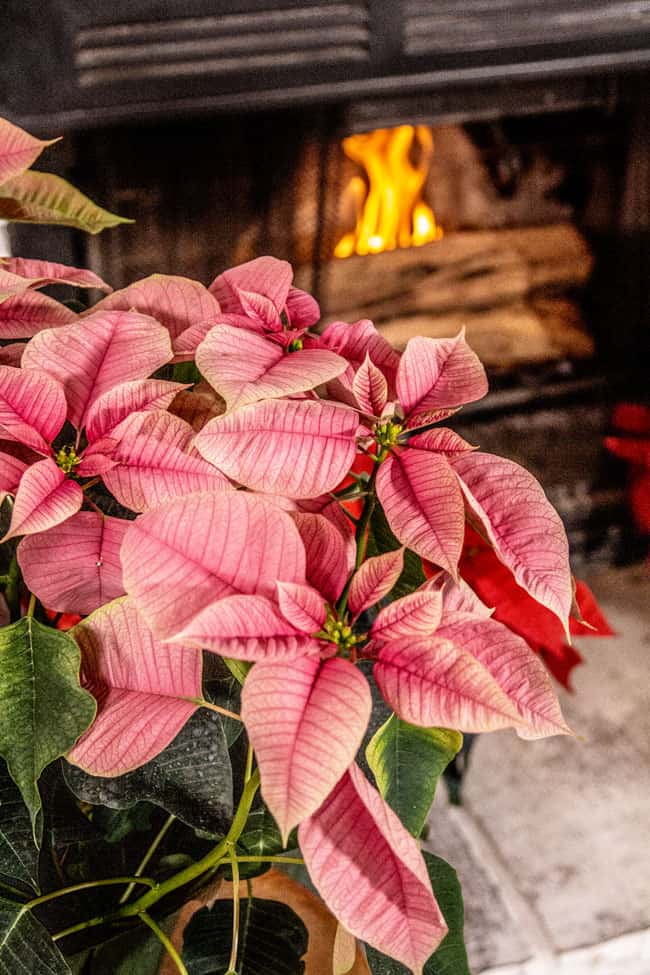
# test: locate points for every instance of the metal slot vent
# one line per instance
(478, 25)
(325, 34)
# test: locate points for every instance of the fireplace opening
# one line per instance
(522, 219)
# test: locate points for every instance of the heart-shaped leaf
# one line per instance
(370, 387)
(151, 460)
(231, 543)
(75, 567)
(374, 580)
(30, 312)
(176, 302)
(407, 762)
(34, 197)
(245, 367)
(439, 372)
(306, 720)
(521, 524)
(450, 958)
(43, 710)
(246, 627)
(41, 273)
(369, 871)
(120, 402)
(272, 939)
(424, 505)
(415, 615)
(191, 778)
(97, 353)
(45, 498)
(32, 408)
(295, 448)
(437, 683)
(515, 667)
(330, 552)
(145, 690)
(18, 149)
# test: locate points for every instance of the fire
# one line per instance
(388, 204)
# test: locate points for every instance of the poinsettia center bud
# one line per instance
(387, 433)
(295, 345)
(341, 634)
(67, 459)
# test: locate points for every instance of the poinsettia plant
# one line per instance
(236, 510)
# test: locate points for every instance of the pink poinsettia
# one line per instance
(77, 408)
(305, 697)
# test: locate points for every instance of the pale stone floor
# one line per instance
(552, 843)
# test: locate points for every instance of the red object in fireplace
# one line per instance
(633, 445)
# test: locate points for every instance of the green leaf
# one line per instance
(272, 939)
(18, 852)
(43, 710)
(191, 778)
(35, 197)
(261, 836)
(380, 540)
(407, 762)
(450, 958)
(25, 945)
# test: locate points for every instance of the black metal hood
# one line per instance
(82, 63)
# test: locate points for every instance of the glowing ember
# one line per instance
(388, 203)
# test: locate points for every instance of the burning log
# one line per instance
(467, 270)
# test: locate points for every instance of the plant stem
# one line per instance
(214, 707)
(165, 942)
(147, 857)
(32, 604)
(44, 898)
(13, 890)
(248, 770)
(192, 872)
(269, 859)
(235, 912)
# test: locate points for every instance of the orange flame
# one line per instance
(388, 203)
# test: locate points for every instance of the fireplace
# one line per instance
(430, 171)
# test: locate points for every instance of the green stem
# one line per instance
(269, 859)
(248, 770)
(13, 890)
(165, 942)
(110, 881)
(235, 912)
(183, 877)
(148, 855)
(202, 703)
(32, 605)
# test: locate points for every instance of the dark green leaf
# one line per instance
(261, 836)
(191, 778)
(43, 710)
(222, 688)
(380, 540)
(34, 197)
(18, 852)
(451, 957)
(407, 762)
(272, 939)
(137, 952)
(25, 945)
